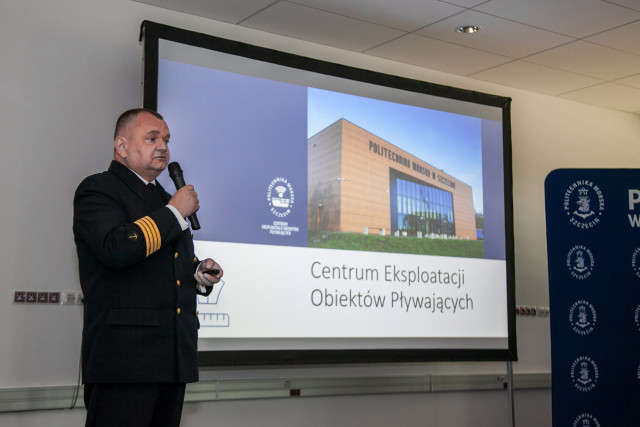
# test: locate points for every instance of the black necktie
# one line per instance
(157, 198)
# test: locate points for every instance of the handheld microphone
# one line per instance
(175, 172)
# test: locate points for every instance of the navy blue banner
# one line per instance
(593, 249)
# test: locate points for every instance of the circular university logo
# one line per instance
(637, 317)
(584, 374)
(580, 262)
(586, 420)
(582, 317)
(583, 204)
(635, 261)
(280, 197)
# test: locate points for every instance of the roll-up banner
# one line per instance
(593, 249)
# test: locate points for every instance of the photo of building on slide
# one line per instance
(365, 193)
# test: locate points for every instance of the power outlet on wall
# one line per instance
(71, 298)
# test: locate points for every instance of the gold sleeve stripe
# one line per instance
(154, 235)
(145, 231)
(151, 234)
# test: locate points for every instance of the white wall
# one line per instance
(69, 68)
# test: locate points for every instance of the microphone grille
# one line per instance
(174, 168)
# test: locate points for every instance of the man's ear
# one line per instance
(120, 145)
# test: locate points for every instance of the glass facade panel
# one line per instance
(424, 209)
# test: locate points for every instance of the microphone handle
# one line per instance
(195, 224)
(178, 181)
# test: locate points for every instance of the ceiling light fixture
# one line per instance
(468, 29)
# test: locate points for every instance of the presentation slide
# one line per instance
(346, 215)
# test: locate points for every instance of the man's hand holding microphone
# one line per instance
(185, 200)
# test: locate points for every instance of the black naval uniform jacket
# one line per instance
(136, 272)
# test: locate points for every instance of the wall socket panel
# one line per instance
(534, 311)
(70, 298)
(48, 297)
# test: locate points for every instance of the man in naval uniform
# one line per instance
(140, 278)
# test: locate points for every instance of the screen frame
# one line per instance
(152, 32)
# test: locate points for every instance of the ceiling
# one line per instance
(582, 50)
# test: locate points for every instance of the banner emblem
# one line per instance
(584, 204)
(584, 374)
(582, 317)
(586, 420)
(580, 262)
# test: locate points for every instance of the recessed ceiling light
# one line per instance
(468, 29)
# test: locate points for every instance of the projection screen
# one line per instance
(358, 216)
